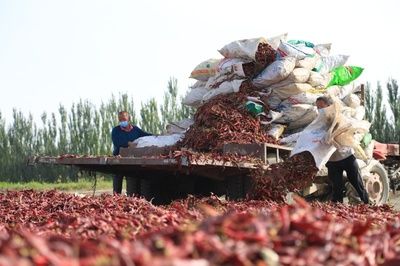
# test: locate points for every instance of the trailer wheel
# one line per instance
(146, 189)
(132, 186)
(234, 187)
(376, 182)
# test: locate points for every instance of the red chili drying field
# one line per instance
(54, 228)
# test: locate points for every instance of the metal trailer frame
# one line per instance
(193, 175)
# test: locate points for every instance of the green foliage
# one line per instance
(78, 185)
(394, 105)
(84, 129)
(150, 118)
(383, 111)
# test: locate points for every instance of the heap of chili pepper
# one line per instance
(223, 120)
(292, 175)
(207, 231)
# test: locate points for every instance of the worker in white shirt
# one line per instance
(343, 159)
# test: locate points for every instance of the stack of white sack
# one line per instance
(241, 61)
(289, 76)
(302, 73)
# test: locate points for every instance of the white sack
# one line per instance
(275, 72)
(179, 127)
(294, 112)
(308, 62)
(276, 40)
(313, 137)
(276, 131)
(291, 89)
(352, 100)
(205, 70)
(327, 63)
(297, 51)
(323, 49)
(225, 88)
(158, 141)
(246, 48)
(194, 97)
(318, 80)
(303, 98)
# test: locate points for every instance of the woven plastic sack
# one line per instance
(340, 91)
(352, 100)
(236, 66)
(308, 62)
(275, 72)
(276, 40)
(318, 80)
(291, 89)
(323, 49)
(225, 88)
(198, 84)
(304, 120)
(298, 51)
(313, 137)
(245, 48)
(194, 97)
(303, 98)
(327, 63)
(301, 43)
(294, 112)
(205, 70)
(298, 75)
(179, 126)
(276, 131)
(158, 141)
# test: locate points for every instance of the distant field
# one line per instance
(82, 184)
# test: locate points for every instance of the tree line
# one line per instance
(85, 129)
(382, 104)
(82, 129)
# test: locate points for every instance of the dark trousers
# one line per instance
(335, 174)
(117, 184)
(131, 185)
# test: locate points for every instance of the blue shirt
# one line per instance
(120, 138)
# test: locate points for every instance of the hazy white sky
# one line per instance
(55, 52)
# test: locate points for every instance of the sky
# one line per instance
(57, 52)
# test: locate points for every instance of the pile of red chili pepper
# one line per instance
(292, 175)
(265, 54)
(223, 120)
(53, 228)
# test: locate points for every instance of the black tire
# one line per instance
(383, 187)
(132, 186)
(384, 179)
(234, 187)
(146, 189)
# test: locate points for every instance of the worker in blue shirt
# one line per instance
(121, 136)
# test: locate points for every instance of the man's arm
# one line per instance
(142, 133)
(114, 140)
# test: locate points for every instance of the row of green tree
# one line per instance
(383, 111)
(83, 129)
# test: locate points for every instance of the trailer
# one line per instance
(162, 178)
(165, 178)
